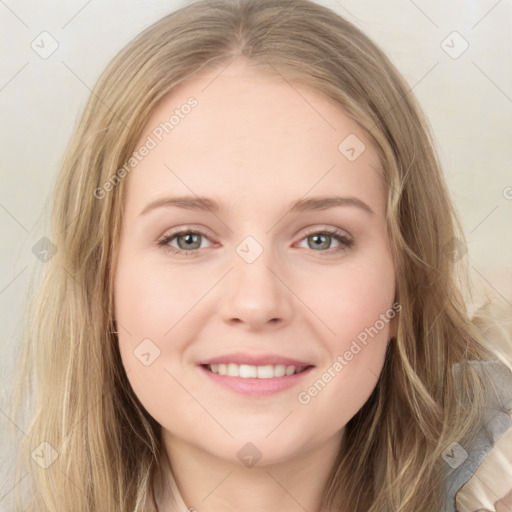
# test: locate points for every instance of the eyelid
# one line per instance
(328, 229)
(187, 229)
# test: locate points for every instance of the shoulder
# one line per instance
(496, 423)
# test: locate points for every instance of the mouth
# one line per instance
(247, 371)
(255, 381)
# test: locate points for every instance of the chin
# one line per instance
(257, 450)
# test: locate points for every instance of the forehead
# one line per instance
(250, 135)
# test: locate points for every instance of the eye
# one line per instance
(188, 242)
(318, 240)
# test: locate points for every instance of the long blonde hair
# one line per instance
(107, 447)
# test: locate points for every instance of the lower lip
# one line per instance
(256, 387)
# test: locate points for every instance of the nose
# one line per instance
(256, 294)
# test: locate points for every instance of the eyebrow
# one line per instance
(198, 203)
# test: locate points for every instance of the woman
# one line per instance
(314, 351)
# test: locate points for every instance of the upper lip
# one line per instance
(254, 360)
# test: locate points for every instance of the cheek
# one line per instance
(151, 298)
(151, 305)
(146, 309)
(359, 309)
(354, 298)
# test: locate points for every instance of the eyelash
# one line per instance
(345, 242)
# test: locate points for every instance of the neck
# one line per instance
(208, 483)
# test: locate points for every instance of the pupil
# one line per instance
(318, 241)
(190, 238)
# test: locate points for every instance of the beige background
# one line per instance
(467, 95)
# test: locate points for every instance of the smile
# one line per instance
(254, 381)
(247, 371)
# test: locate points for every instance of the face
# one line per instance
(261, 278)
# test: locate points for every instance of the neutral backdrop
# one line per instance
(455, 55)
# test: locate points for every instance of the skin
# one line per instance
(254, 144)
(505, 504)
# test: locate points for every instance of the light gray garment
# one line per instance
(496, 422)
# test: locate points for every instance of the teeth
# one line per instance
(266, 372)
(247, 371)
(280, 370)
